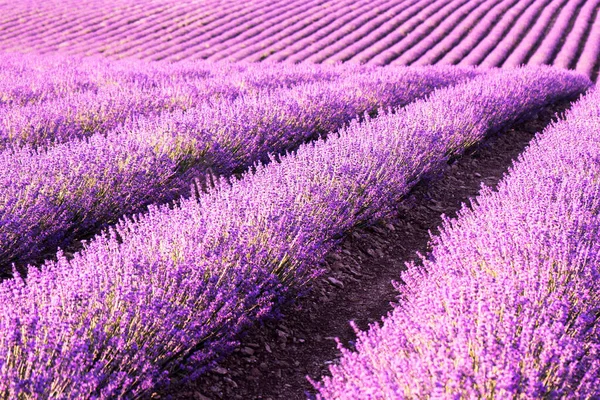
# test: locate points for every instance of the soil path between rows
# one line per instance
(276, 356)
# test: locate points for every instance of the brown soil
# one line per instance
(275, 357)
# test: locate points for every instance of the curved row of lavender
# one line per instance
(506, 304)
(53, 196)
(505, 45)
(468, 26)
(403, 32)
(169, 290)
(491, 34)
(527, 44)
(567, 55)
(550, 42)
(373, 33)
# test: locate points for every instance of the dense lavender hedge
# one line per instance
(126, 91)
(506, 304)
(19, 86)
(52, 196)
(171, 289)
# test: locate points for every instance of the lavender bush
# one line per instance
(506, 304)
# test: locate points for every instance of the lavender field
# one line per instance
(175, 175)
(492, 33)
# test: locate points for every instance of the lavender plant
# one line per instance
(535, 34)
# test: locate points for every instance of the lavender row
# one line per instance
(329, 45)
(227, 29)
(441, 31)
(19, 87)
(131, 73)
(53, 196)
(83, 114)
(265, 33)
(589, 61)
(170, 290)
(248, 32)
(225, 15)
(469, 30)
(500, 14)
(301, 32)
(119, 36)
(550, 43)
(527, 43)
(404, 40)
(154, 90)
(54, 25)
(566, 57)
(511, 39)
(506, 304)
(316, 31)
(492, 38)
(382, 34)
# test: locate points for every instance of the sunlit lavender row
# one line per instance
(53, 196)
(170, 290)
(50, 100)
(499, 33)
(506, 304)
